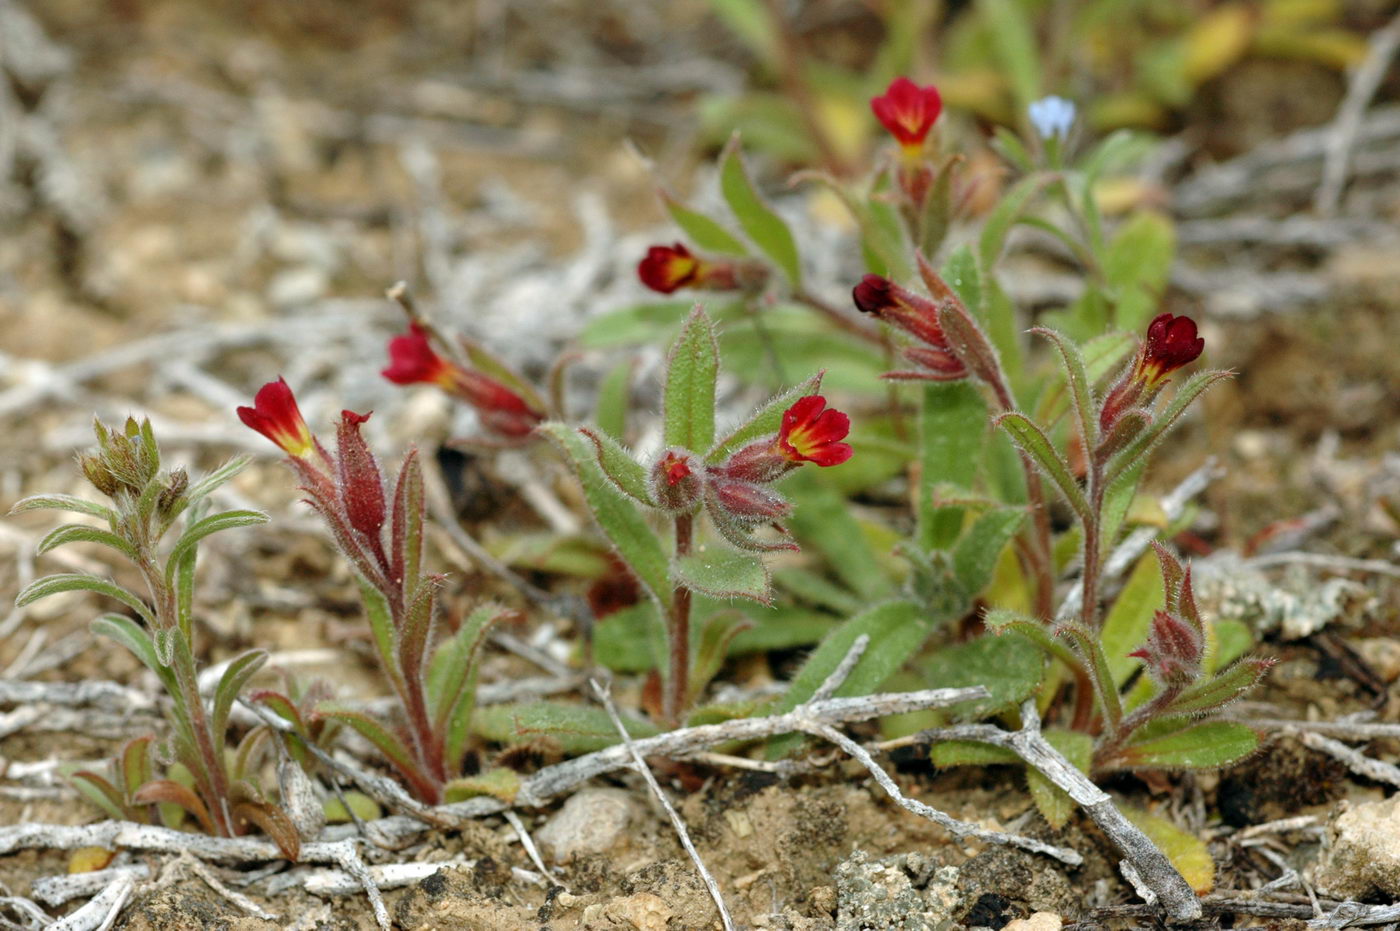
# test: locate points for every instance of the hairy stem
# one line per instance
(1038, 555)
(678, 685)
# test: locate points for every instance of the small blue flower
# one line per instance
(1052, 117)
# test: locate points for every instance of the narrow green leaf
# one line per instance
(614, 400)
(498, 782)
(1117, 501)
(77, 581)
(1138, 262)
(1081, 389)
(130, 635)
(381, 626)
(896, 629)
(1095, 661)
(724, 573)
(1004, 216)
(947, 753)
(231, 683)
(952, 431)
(636, 325)
(214, 523)
(1207, 745)
(64, 503)
(1011, 148)
(168, 791)
(707, 233)
(635, 541)
(100, 792)
(617, 464)
(767, 230)
(384, 740)
(275, 823)
(1193, 388)
(749, 20)
(452, 677)
(1037, 445)
(83, 533)
(976, 554)
(764, 421)
(214, 479)
(960, 273)
(691, 369)
(406, 519)
(1220, 690)
(631, 640)
(134, 763)
(577, 728)
(1000, 620)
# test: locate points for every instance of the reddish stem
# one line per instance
(679, 634)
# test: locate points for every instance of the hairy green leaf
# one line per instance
(977, 551)
(577, 728)
(689, 400)
(764, 421)
(83, 533)
(636, 543)
(619, 466)
(1206, 745)
(224, 520)
(78, 581)
(767, 230)
(1037, 445)
(724, 573)
(64, 503)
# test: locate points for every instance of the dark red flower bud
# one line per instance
(1171, 343)
(676, 480)
(275, 415)
(811, 433)
(669, 268)
(908, 111)
(902, 308)
(360, 484)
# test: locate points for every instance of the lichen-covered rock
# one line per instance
(907, 892)
(1364, 854)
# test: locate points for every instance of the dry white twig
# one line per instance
(1352, 914)
(1153, 868)
(101, 911)
(1361, 88)
(388, 876)
(677, 822)
(525, 841)
(1327, 561)
(1355, 760)
(536, 790)
(57, 890)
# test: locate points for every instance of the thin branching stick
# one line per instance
(677, 822)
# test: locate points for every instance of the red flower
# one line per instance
(1171, 343)
(810, 433)
(275, 415)
(674, 468)
(412, 359)
(908, 111)
(669, 268)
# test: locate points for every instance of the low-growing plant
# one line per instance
(146, 506)
(379, 527)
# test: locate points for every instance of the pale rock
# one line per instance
(1364, 855)
(1040, 921)
(591, 821)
